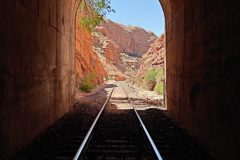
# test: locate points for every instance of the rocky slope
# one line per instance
(130, 39)
(154, 57)
(118, 65)
(87, 62)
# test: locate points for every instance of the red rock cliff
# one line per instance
(86, 59)
(132, 40)
(154, 57)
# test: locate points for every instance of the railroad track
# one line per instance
(122, 135)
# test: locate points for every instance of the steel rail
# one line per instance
(77, 155)
(154, 147)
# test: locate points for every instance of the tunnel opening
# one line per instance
(122, 51)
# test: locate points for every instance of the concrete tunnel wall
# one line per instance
(37, 45)
(202, 64)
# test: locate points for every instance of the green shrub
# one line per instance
(152, 78)
(151, 75)
(160, 75)
(86, 83)
(159, 87)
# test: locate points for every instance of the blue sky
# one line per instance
(147, 14)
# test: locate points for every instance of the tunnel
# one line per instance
(37, 54)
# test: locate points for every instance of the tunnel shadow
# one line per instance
(72, 124)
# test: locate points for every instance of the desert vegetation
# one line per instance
(154, 80)
(86, 83)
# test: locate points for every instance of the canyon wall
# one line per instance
(119, 47)
(87, 61)
(154, 57)
(109, 40)
(109, 55)
(130, 39)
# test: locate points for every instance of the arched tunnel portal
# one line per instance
(37, 45)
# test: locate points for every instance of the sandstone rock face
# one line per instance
(132, 40)
(87, 61)
(109, 55)
(112, 52)
(119, 47)
(154, 57)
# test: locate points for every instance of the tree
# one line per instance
(92, 12)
